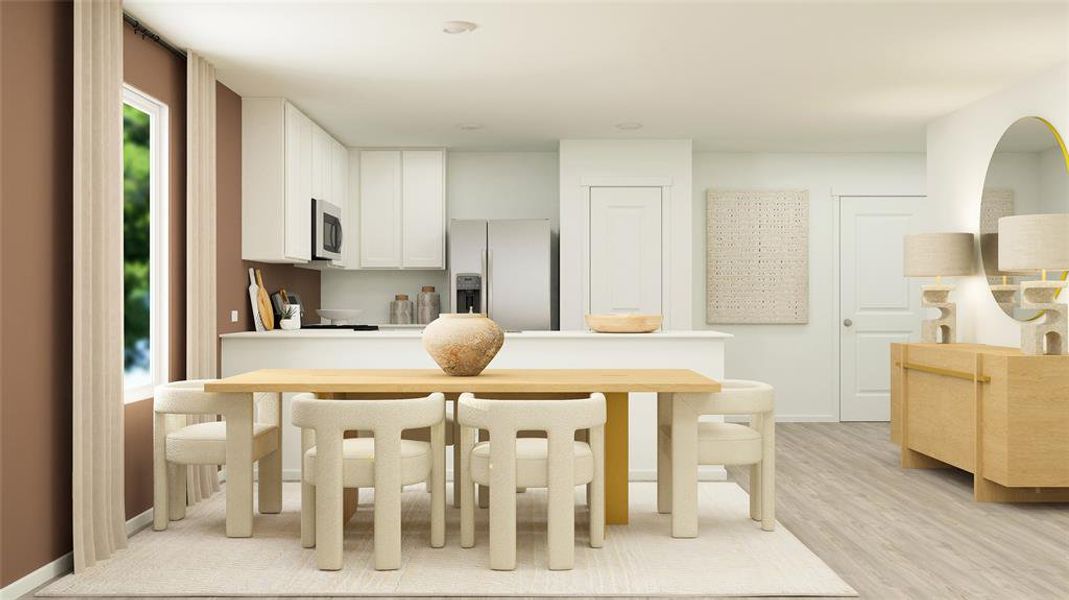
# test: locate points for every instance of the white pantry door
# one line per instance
(878, 305)
(625, 250)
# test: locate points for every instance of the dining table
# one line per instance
(615, 384)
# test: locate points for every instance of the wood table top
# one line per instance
(491, 380)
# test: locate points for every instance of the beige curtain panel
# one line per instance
(200, 247)
(99, 521)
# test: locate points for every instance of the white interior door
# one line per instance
(878, 305)
(625, 250)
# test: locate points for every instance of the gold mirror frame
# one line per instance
(1065, 159)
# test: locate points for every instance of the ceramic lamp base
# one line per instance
(1047, 334)
(942, 329)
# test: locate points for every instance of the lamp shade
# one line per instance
(1033, 243)
(938, 254)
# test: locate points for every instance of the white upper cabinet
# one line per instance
(402, 209)
(380, 209)
(423, 209)
(339, 196)
(625, 250)
(286, 161)
(276, 179)
(322, 161)
(298, 151)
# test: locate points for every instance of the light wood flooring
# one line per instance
(917, 534)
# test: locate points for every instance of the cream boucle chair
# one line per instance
(557, 462)
(385, 461)
(696, 443)
(235, 442)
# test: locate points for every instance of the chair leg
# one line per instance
(269, 488)
(387, 500)
(684, 472)
(664, 452)
(437, 486)
(177, 482)
(160, 488)
(308, 495)
(239, 470)
(596, 489)
(462, 474)
(755, 491)
(503, 501)
(456, 465)
(328, 501)
(483, 491)
(768, 473)
(561, 517)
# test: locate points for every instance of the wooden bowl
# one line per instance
(624, 323)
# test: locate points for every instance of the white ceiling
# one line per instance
(793, 76)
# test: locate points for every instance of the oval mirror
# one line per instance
(1028, 174)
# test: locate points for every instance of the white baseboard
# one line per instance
(62, 565)
(792, 419)
(28, 583)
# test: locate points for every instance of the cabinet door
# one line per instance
(339, 194)
(298, 185)
(423, 231)
(380, 209)
(322, 160)
(625, 250)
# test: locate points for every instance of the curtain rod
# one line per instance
(148, 34)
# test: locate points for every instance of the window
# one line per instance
(145, 317)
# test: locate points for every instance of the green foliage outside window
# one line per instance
(136, 230)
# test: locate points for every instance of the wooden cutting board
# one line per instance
(267, 313)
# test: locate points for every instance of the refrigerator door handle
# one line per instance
(487, 283)
(484, 260)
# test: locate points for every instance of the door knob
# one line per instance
(847, 322)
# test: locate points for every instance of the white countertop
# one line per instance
(304, 334)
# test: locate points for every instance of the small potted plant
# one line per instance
(290, 318)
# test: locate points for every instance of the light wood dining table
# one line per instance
(497, 383)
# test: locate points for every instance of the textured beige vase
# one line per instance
(462, 343)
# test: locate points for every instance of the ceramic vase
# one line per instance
(462, 343)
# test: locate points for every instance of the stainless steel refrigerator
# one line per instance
(502, 268)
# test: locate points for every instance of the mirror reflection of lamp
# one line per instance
(1004, 292)
(939, 255)
(1037, 244)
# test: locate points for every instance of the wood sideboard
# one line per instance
(992, 411)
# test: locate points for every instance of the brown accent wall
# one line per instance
(36, 123)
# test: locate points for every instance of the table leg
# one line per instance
(616, 459)
(664, 452)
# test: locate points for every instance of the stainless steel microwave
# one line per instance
(326, 231)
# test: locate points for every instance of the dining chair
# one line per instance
(331, 462)
(694, 442)
(236, 442)
(557, 462)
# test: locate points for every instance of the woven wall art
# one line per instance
(757, 256)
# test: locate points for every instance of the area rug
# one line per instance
(731, 556)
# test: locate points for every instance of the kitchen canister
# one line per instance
(401, 310)
(428, 305)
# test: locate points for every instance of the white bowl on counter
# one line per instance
(340, 316)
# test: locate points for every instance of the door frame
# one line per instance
(837, 340)
(665, 183)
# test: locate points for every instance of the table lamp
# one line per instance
(1037, 244)
(938, 255)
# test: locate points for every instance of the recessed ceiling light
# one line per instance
(628, 126)
(455, 27)
(469, 126)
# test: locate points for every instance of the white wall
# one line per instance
(801, 361)
(960, 146)
(479, 185)
(581, 160)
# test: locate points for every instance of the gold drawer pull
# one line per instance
(945, 372)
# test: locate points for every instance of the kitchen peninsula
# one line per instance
(700, 351)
